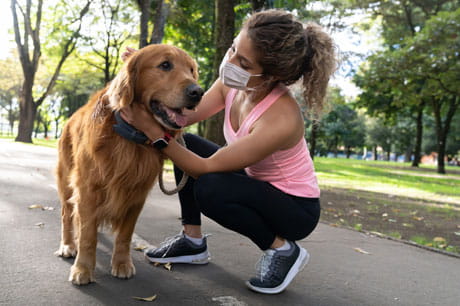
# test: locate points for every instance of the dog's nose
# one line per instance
(194, 93)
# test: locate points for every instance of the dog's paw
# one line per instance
(66, 250)
(80, 276)
(123, 270)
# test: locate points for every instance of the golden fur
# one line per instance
(104, 178)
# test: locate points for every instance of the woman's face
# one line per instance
(242, 54)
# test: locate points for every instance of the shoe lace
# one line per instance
(168, 243)
(263, 265)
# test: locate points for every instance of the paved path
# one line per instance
(392, 274)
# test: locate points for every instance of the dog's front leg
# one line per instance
(82, 271)
(122, 264)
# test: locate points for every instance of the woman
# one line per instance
(274, 201)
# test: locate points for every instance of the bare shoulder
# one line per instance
(286, 111)
(284, 119)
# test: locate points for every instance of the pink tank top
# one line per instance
(290, 170)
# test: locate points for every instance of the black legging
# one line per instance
(251, 207)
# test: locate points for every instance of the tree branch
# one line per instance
(68, 49)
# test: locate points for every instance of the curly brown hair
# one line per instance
(288, 51)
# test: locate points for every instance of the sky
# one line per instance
(6, 22)
(345, 40)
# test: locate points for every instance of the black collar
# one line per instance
(128, 131)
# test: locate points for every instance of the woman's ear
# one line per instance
(121, 89)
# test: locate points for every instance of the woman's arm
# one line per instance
(271, 133)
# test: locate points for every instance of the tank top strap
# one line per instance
(262, 106)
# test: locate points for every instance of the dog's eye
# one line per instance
(166, 66)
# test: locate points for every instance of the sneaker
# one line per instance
(179, 249)
(276, 269)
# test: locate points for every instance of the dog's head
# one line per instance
(163, 78)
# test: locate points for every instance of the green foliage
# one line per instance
(190, 26)
(341, 126)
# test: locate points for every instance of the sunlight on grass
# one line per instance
(51, 143)
(388, 177)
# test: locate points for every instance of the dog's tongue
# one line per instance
(179, 119)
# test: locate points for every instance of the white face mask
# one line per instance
(234, 76)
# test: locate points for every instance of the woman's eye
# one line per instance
(166, 66)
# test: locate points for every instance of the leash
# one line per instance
(183, 180)
(129, 132)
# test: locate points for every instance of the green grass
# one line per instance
(52, 143)
(391, 178)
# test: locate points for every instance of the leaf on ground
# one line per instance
(48, 208)
(355, 212)
(156, 264)
(168, 266)
(418, 218)
(457, 233)
(439, 239)
(40, 224)
(140, 247)
(392, 220)
(410, 225)
(146, 299)
(359, 250)
(377, 234)
(36, 206)
(384, 215)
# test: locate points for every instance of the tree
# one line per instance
(27, 32)
(343, 127)
(432, 54)
(382, 77)
(106, 35)
(162, 9)
(223, 39)
(10, 87)
(379, 135)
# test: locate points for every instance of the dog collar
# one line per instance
(127, 131)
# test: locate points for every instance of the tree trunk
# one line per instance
(348, 151)
(161, 15)
(27, 111)
(223, 38)
(374, 151)
(418, 136)
(257, 5)
(407, 156)
(336, 149)
(313, 137)
(144, 7)
(56, 133)
(442, 129)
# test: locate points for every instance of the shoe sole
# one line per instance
(197, 259)
(298, 266)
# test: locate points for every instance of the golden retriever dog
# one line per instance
(103, 178)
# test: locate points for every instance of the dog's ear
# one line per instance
(195, 70)
(121, 89)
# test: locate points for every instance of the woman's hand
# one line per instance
(129, 51)
(138, 116)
